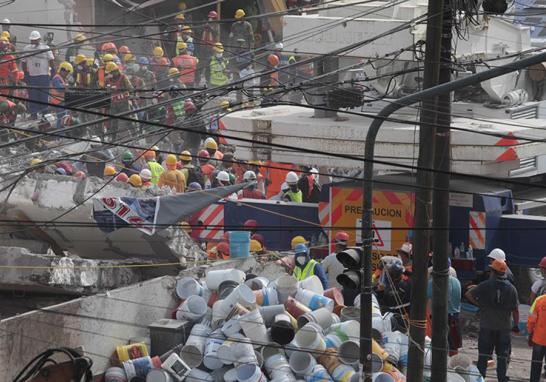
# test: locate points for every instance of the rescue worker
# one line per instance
(273, 61)
(176, 36)
(109, 172)
(58, 87)
(111, 48)
(191, 173)
(155, 168)
(187, 64)
(206, 168)
(212, 147)
(146, 176)
(217, 75)
(250, 192)
(158, 61)
(84, 76)
(8, 116)
(71, 53)
(297, 240)
(498, 254)
(145, 73)
(395, 297)
(196, 124)
(536, 327)
(221, 251)
(539, 287)
(306, 267)
(188, 39)
(210, 36)
(222, 179)
(405, 254)
(331, 264)
(172, 177)
(8, 67)
(120, 86)
(129, 166)
(293, 194)
(37, 61)
(496, 299)
(135, 180)
(308, 184)
(242, 29)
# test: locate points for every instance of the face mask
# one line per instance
(219, 55)
(143, 67)
(294, 188)
(300, 260)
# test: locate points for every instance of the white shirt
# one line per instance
(333, 268)
(538, 287)
(38, 63)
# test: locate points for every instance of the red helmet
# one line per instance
(222, 248)
(273, 59)
(203, 154)
(122, 177)
(124, 49)
(250, 224)
(542, 263)
(342, 237)
(212, 15)
(80, 175)
(189, 106)
(109, 47)
(163, 61)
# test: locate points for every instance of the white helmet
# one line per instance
(223, 176)
(249, 176)
(6, 21)
(497, 254)
(146, 174)
(291, 178)
(34, 35)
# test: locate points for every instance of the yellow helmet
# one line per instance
(224, 104)
(182, 5)
(171, 160)
(6, 34)
(186, 28)
(80, 58)
(109, 171)
(108, 57)
(218, 47)
(4, 39)
(79, 37)
(185, 226)
(173, 72)
(158, 51)
(297, 240)
(185, 156)
(66, 66)
(90, 60)
(180, 17)
(135, 180)
(128, 57)
(110, 67)
(181, 45)
(211, 144)
(255, 246)
(239, 14)
(35, 161)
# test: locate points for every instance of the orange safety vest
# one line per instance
(536, 322)
(100, 76)
(118, 94)
(188, 66)
(56, 96)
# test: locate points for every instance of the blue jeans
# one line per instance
(40, 93)
(501, 342)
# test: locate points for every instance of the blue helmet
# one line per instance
(301, 248)
(60, 171)
(143, 61)
(194, 186)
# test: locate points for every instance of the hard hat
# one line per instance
(20, 76)
(291, 178)
(65, 65)
(4, 38)
(499, 266)
(96, 139)
(109, 46)
(143, 61)
(80, 58)
(171, 160)
(212, 15)
(110, 67)
(279, 45)
(109, 171)
(189, 106)
(180, 17)
(218, 47)
(273, 59)
(158, 51)
(342, 237)
(210, 143)
(497, 254)
(194, 186)
(406, 248)
(122, 177)
(80, 175)
(127, 156)
(185, 156)
(258, 238)
(186, 28)
(222, 248)
(60, 171)
(255, 246)
(203, 155)
(250, 224)
(223, 176)
(6, 34)
(225, 104)
(135, 180)
(301, 248)
(173, 72)
(90, 60)
(128, 57)
(34, 35)
(297, 240)
(542, 263)
(79, 37)
(108, 57)
(239, 13)
(182, 5)
(163, 61)
(181, 45)
(6, 21)
(185, 226)
(124, 49)
(146, 174)
(35, 161)
(249, 176)
(149, 154)
(395, 270)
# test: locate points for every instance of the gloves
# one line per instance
(530, 340)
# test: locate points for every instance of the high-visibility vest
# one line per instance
(56, 96)
(218, 76)
(83, 79)
(156, 169)
(100, 77)
(119, 94)
(308, 271)
(188, 66)
(296, 197)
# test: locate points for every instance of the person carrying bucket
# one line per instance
(306, 267)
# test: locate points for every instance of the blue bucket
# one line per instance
(239, 244)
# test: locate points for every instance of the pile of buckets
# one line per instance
(256, 330)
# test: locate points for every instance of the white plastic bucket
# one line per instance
(220, 311)
(226, 351)
(192, 309)
(382, 377)
(241, 295)
(250, 373)
(350, 313)
(210, 359)
(192, 352)
(232, 327)
(198, 375)
(188, 286)
(347, 330)
(244, 352)
(286, 286)
(333, 341)
(254, 328)
(309, 338)
(257, 283)
(321, 316)
(282, 331)
(343, 373)
(349, 353)
(269, 312)
(313, 284)
(302, 363)
(230, 375)
(216, 277)
(314, 300)
(115, 374)
(454, 377)
(318, 374)
(159, 375)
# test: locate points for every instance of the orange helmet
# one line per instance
(273, 59)
(124, 49)
(109, 47)
(163, 61)
(149, 154)
(122, 177)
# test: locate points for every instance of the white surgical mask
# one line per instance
(300, 260)
(219, 55)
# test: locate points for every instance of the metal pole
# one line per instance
(369, 148)
(440, 214)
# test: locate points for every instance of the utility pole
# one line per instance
(440, 208)
(423, 197)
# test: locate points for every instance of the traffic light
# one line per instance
(497, 7)
(350, 259)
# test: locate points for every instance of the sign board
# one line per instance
(457, 199)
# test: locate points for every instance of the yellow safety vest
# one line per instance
(295, 197)
(156, 169)
(218, 76)
(308, 271)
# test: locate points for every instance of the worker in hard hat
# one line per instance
(74, 49)
(186, 64)
(156, 169)
(59, 83)
(186, 34)
(196, 125)
(309, 185)
(207, 169)
(219, 252)
(6, 28)
(293, 194)
(242, 29)
(251, 192)
(145, 74)
(8, 67)
(122, 178)
(218, 73)
(83, 73)
(158, 61)
(8, 115)
(192, 173)
(172, 177)
(210, 35)
(212, 147)
(37, 61)
(331, 264)
(129, 166)
(306, 267)
(120, 88)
